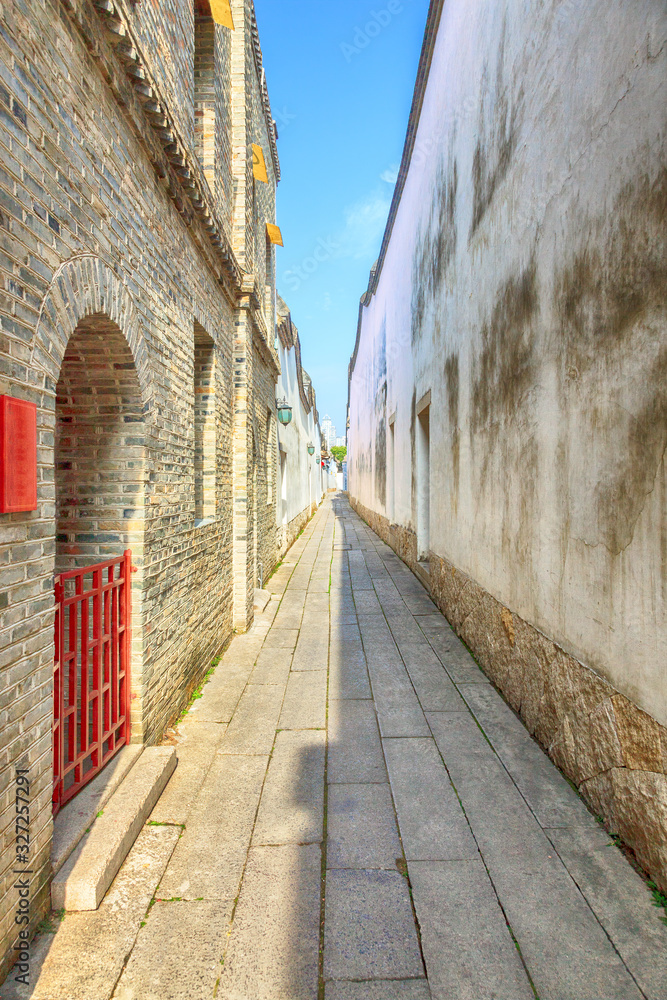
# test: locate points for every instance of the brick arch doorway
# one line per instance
(99, 492)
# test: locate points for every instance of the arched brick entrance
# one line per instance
(99, 448)
(96, 410)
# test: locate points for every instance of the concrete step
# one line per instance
(84, 879)
(74, 819)
(262, 598)
(423, 573)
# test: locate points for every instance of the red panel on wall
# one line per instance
(18, 455)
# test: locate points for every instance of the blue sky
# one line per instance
(341, 75)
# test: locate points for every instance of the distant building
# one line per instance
(328, 431)
(340, 442)
(301, 479)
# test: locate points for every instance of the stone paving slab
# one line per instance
(209, 858)
(292, 806)
(434, 689)
(281, 638)
(369, 930)
(433, 825)
(312, 653)
(456, 659)
(289, 618)
(361, 827)
(374, 629)
(355, 752)
(499, 816)
(564, 946)
(340, 621)
(252, 729)
(404, 630)
(419, 603)
(221, 695)
(273, 951)
(388, 989)
(177, 953)
(398, 708)
(621, 903)
(550, 796)
(434, 624)
(348, 676)
(366, 602)
(272, 667)
(468, 950)
(305, 704)
(176, 801)
(344, 632)
(317, 603)
(85, 958)
(280, 579)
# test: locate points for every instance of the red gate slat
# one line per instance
(91, 672)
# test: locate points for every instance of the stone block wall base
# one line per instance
(287, 535)
(615, 753)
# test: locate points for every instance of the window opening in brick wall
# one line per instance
(204, 89)
(204, 420)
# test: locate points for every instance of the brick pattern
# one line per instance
(109, 290)
(205, 97)
(165, 29)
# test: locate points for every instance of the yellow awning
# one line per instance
(274, 234)
(258, 164)
(221, 11)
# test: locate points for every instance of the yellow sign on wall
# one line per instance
(221, 11)
(258, 164)
(274, 234)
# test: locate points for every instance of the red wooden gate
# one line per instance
(91, 674)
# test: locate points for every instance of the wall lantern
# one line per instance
(311, 448)
(284, 411)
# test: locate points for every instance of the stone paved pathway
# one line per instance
(357, 815)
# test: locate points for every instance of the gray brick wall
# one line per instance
(110, 262)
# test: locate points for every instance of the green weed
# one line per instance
(659, 899)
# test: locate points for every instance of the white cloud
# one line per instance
(390, 175)
(365, 221)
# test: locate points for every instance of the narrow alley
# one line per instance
(293, 855)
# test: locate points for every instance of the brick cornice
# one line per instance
(123, 66)
(250, 301)
(266, 104)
